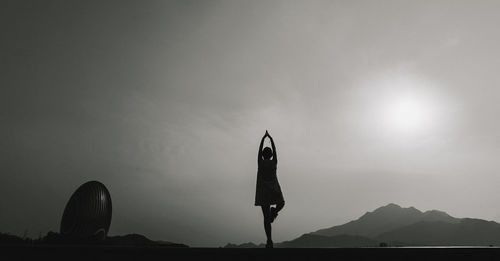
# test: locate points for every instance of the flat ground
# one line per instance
(159, 253)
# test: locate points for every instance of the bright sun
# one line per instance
(402, 104)
(407, 113)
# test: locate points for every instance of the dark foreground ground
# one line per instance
(160, 253)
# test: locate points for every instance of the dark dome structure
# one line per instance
(88, 212)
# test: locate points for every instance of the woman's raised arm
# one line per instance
(259, 155)
(275, 158)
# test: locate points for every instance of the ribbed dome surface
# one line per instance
(88, 212)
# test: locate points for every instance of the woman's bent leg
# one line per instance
(280, 206)
(275, 210)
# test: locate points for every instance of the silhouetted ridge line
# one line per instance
(383, 219)
(53, 238)
(392, 225)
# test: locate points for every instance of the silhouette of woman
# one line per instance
(268, 191)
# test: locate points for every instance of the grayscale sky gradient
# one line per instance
(165, 103)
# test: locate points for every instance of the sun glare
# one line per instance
(407, 114)
(402, 104)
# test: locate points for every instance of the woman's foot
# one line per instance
(269, 244)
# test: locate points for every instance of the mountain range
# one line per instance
(53, 238)
(392, 225)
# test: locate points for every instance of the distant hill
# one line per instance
(53, 238)
(138, 240)
(309, 240)
(8, 239)
(384, 219)
(468, 232)
(244, 245)
(393, 225)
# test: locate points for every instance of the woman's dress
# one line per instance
(268, 190)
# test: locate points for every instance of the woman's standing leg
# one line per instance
(266, 211)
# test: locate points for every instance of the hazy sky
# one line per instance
(165, 102)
